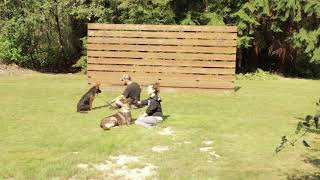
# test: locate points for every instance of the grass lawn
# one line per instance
(42, 136)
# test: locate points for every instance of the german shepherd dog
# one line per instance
(85, 103)
(120, 118)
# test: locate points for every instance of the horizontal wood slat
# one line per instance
(161, 62)
(94, 67)
(227, 57)
(168, 83)
(107, 87)
(186, 58)
(175, 35)
(157, 76)
(161, 48)
(136, 27)
(185, 42)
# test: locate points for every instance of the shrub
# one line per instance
(82, 61)
(258, 75)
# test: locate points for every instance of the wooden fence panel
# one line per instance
(182, 58)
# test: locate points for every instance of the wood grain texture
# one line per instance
(166, 35)
(161, 48)
(159, 76)
(169, 83)
(189, 70)
(142, 27)
(126, 61)
(185, 42)
(197, 59)
(160, 55)
(117, 88)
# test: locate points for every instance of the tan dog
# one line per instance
(120, 118)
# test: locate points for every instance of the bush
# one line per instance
(9, 53)
(82, 64)
(82, 61)
(258, 75)
(306, 69)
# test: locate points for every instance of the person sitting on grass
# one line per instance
(153, 114)
(132, 91)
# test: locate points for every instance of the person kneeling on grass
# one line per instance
(153, 114)
(132, 91)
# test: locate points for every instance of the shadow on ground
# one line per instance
(303, 175)
(237, 88)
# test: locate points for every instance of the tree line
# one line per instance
(276, 35)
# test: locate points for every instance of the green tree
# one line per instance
(277, 35)
(146, 12)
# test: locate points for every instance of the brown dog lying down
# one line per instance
(120, 118)
(85, 103)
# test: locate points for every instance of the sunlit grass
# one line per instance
(40, 130)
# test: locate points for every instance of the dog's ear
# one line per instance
(97, 84)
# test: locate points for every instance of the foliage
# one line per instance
(248, 19)
(146, 12)
(310, 124)
(9, 53)
(188, 20)
(272, 35)
(306, 69)
(37, 34)
(258, 75)
(310, 42)
(94, 11)
(82, 61)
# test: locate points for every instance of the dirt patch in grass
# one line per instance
(160, 149)
(12, 69)
(119, 167)
(205, 149)
(166, 132)
(207, 142)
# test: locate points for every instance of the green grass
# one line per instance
(40, 129)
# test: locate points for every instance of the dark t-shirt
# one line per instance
(132, 91)
(154, 106)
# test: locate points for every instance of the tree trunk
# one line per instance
(254, 57)
(56, 17)
(206, 5)
(239, 60)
